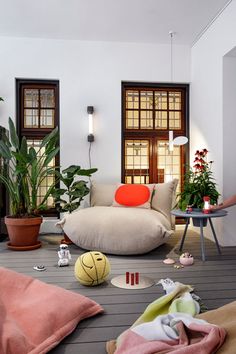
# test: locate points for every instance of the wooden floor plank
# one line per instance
(214, 281)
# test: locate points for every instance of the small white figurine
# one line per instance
(64, 255)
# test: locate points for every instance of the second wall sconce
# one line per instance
(179, 140)
(90, 111)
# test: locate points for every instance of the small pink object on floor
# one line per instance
(186, 259)
(169, 261)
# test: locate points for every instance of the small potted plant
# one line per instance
(73, 192)
(198, 183)
(26, 169)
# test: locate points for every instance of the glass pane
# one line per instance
(160, 100)
(175, 100)
(161, 120)
(132, 99)
(146, 121)
(174, 120)
(137, 161)
(31, 98)
(132, 119)
(48, 180)
(47, 98)
(169, 162)
(146, 99)
(31, 118)
(47, 118)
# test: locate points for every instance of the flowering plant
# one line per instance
(198, 182)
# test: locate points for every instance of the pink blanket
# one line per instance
(191, 336)
(34, 316)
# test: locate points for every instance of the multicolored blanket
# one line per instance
(167, 325)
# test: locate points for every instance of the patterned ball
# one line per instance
(92, 268)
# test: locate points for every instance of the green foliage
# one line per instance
(198, 182)
(69, 198)
(26, 169)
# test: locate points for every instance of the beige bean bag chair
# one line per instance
(122, 230)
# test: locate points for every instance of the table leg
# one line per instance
(202, 240)
(214, 234)
(184, 235)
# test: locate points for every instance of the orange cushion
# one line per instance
(132, 195)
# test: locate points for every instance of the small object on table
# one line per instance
(206, 207)
(169, 261)
(186, 259)
(39, 267)
(64, 255)
(189, 209)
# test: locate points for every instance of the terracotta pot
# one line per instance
(23, 233)
(66, 240)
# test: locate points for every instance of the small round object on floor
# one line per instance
(92, 268)
(144, 282)
(169, 261)
(186, 259)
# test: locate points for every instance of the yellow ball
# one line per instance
(92, 268)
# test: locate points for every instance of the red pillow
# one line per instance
(133, 195)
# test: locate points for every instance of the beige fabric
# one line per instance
(123, 231)
(164, 198)
(225, 317)
(102, 194)
(146, 205)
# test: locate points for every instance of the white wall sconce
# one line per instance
(90, 111)
(179, 140)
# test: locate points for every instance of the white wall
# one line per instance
(229, 129)
(208, 125)
(90, 73)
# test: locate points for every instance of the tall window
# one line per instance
(37, 116)
(149, 111)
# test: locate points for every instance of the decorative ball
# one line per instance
(92, 268)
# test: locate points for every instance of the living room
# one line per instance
(93, 48)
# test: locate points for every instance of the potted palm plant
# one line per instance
(26, 170)
(198, 183)
(73, 192)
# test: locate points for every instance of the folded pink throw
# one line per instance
(34, 316)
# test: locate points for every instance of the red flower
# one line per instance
(205, 151)
(202, 161)
(197, 152)
(197, 166)
(196, 159)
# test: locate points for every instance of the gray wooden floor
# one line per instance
(214, 281)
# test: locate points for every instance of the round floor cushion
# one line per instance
(117, 230)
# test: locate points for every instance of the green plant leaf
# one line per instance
(51, 156)
(13, 134)
(5, 152)
(48, 137)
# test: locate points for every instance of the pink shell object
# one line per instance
(186, 261)
(169, 261)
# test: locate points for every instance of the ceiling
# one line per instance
(109, 20)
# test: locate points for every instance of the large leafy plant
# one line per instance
(26, 170)
(70, 197)
(198, 182)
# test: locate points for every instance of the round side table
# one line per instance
(203, 218)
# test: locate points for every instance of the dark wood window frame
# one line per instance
(154, 133)
(34, 133)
